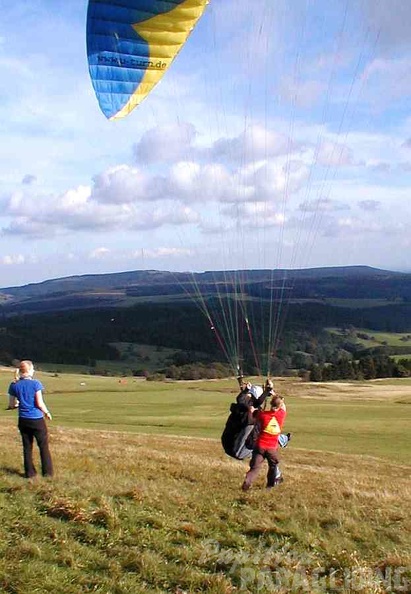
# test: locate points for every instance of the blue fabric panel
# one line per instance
(116, 54)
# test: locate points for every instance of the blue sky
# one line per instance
(280, 137)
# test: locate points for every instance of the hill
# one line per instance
(76, 292)
(120, 322)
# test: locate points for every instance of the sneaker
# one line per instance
(277, 481)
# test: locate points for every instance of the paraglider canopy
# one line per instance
(131, 44)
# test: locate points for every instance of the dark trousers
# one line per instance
(257, 459)
(30, 429)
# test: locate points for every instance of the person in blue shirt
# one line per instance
(28, 393)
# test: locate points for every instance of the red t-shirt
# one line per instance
(271, 422)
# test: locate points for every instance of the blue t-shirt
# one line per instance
(25, 392)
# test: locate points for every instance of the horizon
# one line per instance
(280, 138)
(198, 272)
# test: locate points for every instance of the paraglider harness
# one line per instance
(240, 434)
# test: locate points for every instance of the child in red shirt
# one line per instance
(270, 424)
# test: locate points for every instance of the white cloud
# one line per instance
(323, 205)
(124, 198)
(74, 200)
(164, 144)
(334, 154)
(392, 75)
(27, 227)
(392, 18)
(120, 185)
(378, 166)
(255, 143)
(303, 93)
(13, 260)
(171, 214)
(193, 182)
(99, 253)
(369, 205)
(256, 215)
(277, 180)
(352, 226)
(162, 252)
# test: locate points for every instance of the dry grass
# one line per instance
(376, 390)
(147, 513)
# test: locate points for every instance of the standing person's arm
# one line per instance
(13, 402)
(41, 405)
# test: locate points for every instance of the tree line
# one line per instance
(85, 336)
(368, 367)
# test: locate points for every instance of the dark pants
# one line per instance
(257, 459)
(30, 429)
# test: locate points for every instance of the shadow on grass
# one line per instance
(11, 471)
(258, 532)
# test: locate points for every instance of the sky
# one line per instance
(280, 137)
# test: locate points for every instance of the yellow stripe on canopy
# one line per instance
(165, 33)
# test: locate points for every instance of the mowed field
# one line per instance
(370, 418)
(145, 500)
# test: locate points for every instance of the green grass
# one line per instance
(357, 303)
(399, 357)
(133, 356)
(145, 500)
(392, 339)
(362, 421)
(144, 356)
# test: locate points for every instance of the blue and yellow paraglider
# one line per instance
(131, 44)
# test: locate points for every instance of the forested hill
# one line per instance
(136, 277)
(124, 288)
(322, 316)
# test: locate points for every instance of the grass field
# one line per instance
(399, 357)
(144, 499)
(377, 339)
(351, 303)
(133, 357)
(368, 418)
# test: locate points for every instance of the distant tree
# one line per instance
(156, 377)
(344, 369)
(316, 373)
(328, 373)
(367, 367)
(304, 374)
(405, 363)
(301, 359)
(6, 358)
(384, 366)
(402, 371)
(277, 366)
(173, 372)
